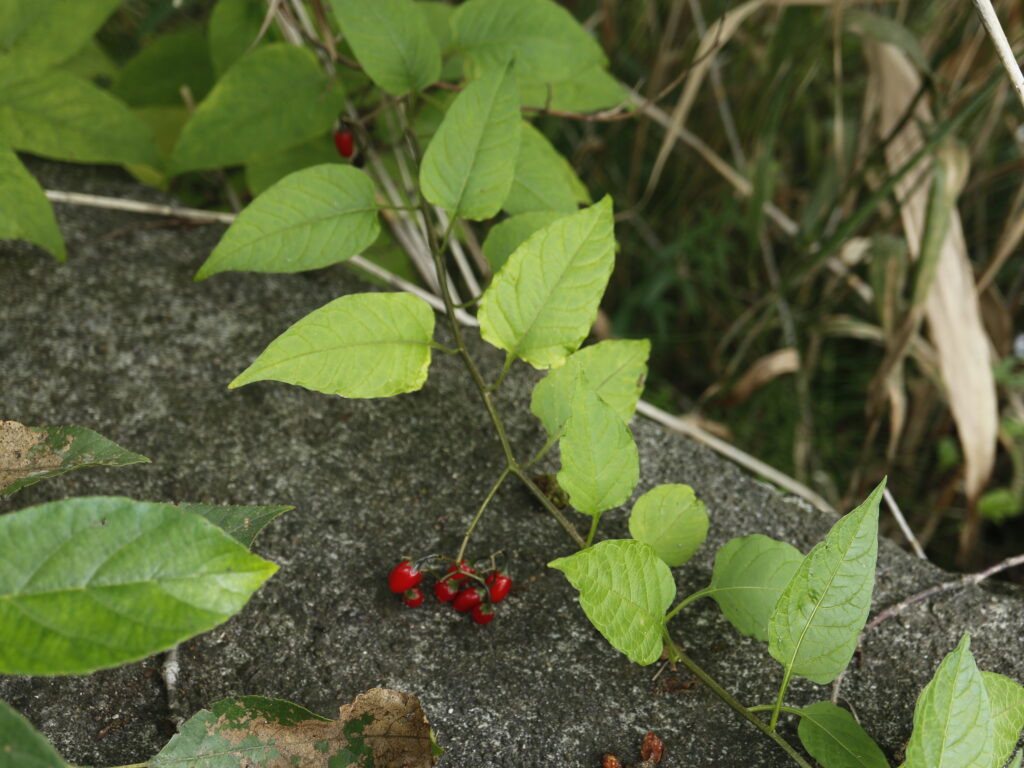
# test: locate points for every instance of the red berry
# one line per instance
(446, 590)
(345, 143)
(404, 576)
(468, 599)
(499, 584)
(483, 613)
(413, 597)
(460, 571)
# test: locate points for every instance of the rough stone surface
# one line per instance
(121, 340)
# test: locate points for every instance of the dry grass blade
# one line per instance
(951, 306)
(766, 368)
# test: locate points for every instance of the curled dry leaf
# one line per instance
(652, 749)
(951, 306)
(381, 728)
(30, 454)
(608, 760)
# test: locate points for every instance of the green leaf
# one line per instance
(392, 41)
(379, 728)
(1017, 760)
(470, 163)
(21, 746)
(588, 90)
(31, 454)
(1006, 698)
(549, 46)
(36, 35)
(234, 26)
(362, 345)
(672, 520)
(814, 628)
(544, 180)
(91, 62)
(308, 220)
(540, 306)
(504, 238)
(600, 463)
(953, 717)
(272, 98)
(243, 524)
(154, 77)
(749, 576)
(439, 17)
(614, 369)
(26, 213)
(90, 583)
(263, 172)
(833, 738)
(625, 590)
(64, 117)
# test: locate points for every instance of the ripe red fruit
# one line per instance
(413, 597)
(468, 599)
(404, 576)
(499, 584)
(483, 613)
(446, 590)
(344, 141)
(462, 568)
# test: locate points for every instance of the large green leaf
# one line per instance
(615, 369)
(814, 628)
(272, 98)
(26, 213)
(600, 463)
(544, 180)
(234, 25)
(36, 35)
(92, 62)
(157, 73)
(749, 576)
(503, 238)
(549, 46)
(308, 220)
(261, 173)
(470, 163)
(21, 746)
(363, 345)
(62, 116)
(833, 738)
(1006, 697)
(31, 454)
(672, 520)
(953, 717)
(89, 583)
(392, 41)
(542, 303)
(381, 727)
(625, 590)
(243, 524)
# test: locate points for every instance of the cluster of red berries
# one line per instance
(466, 590)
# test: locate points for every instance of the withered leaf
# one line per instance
(381, 728)
(30, 454)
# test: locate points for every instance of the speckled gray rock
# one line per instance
(121, 340)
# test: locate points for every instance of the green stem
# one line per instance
(733, 704)
(778, 699)
(550, 507)
(504, 372)
(771, 707)
(594, 520)
(687, 600)
(479, 513)
(543, 451)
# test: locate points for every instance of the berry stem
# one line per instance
(480, 512)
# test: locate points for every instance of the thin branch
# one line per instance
(902, 522)
(995, 31)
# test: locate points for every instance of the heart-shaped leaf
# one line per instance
(625, 590)
(310, 219)
(362, 345)
(672, 520)
(89, 583)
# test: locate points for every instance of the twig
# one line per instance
(995, 31)
(967, 580)
(902, 522)
(169, 671)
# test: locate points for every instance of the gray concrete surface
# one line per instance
(121, 340)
